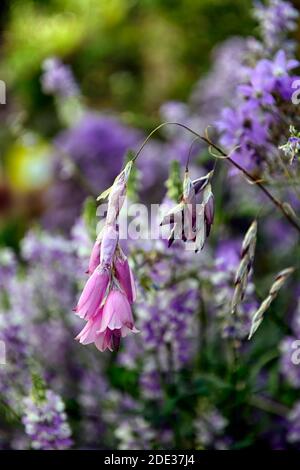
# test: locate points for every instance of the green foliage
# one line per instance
(128, 55)
(38, 387)
(174, 182)
(89, 216)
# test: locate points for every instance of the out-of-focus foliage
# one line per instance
(129, 55)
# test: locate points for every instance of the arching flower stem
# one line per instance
(222, 155)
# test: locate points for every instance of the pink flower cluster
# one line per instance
(105, 302)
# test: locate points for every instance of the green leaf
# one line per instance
(174, 183)
(89, 216)
(104, 195)
(38, 387)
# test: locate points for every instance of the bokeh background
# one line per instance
(129, 58)
(87, 80)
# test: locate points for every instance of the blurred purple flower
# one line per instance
(276, 19)
(88, 158)
(46, 423)
(58, 79)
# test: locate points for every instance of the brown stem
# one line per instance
(272, 198)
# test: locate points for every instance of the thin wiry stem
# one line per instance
(224, 156)
(190, 152)
(269, 405)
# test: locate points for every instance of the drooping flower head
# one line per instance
(105, 302)
(191, 220)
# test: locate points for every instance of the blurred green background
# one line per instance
(127, 54)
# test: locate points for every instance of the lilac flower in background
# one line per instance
(254, 122)
(213, 91)
(218, 88)
(58, 79)
(46, 423)
(240, 128)
(295, 321)
(289, 369)
(248, 125)
(228, 255)
(13, 334)
(292, 146)
(167, 316)
(134, 434)
(14, 377)
(168, 326)
(32, 314)
(51, 274)
(93, 391)
(279, 234)
(276, 18)
(210, 427)
(8, 266)
(259, 90)
(150, 381)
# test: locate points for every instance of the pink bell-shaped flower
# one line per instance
(93, 293)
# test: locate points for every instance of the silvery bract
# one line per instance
(191, 220)
(280, 279)
(242, 273)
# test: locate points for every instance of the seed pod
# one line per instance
(242, 274)
(280, 280)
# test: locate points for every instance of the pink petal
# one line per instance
(116, 312)
(92, 294)
(88, 333)
(103, 341)
(94, 258)
(125, 277)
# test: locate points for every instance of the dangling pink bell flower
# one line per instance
(125, 277)
(110, 323)
(108, 340)
(94, 258)
(191, 221)
(93, 293)
(88, 333)
(107, 295)
(116, 317)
